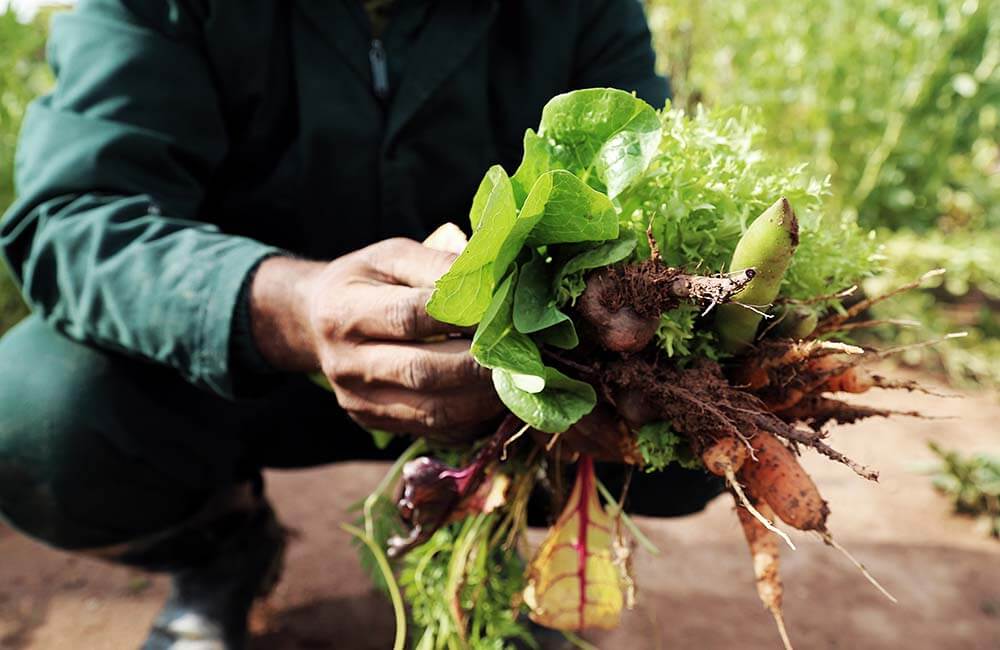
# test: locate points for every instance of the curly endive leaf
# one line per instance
(573, 581)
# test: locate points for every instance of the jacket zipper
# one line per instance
(380, 71)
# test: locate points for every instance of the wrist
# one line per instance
(280, 299)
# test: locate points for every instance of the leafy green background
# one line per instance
(898, 101)
(23, 74)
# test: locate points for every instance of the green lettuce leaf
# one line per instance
(561, 335)
(568, 211)
(495, 177)
(606, 137)
(555, 409)
(535, 308)
(498, 345)
(463, 294)
(534, 302)
(560, 208)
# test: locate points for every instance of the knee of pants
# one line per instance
(62, 479)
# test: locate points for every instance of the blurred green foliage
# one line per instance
(898, 101)
(23, 75)
(972, 483)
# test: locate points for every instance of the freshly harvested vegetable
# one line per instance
(646, 289)
(573, 582)
(764, 551)
(725, 457)
(432, 492)
(796, 322)
(778, 479)
(766, 247)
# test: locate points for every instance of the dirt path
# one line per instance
(698, 594)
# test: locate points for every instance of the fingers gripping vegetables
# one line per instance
(591, 279)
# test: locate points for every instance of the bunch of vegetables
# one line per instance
(646, 289)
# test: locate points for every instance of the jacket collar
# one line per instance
(451, 33)
(454, 30)
(343, 24)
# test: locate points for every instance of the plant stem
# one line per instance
(617, 511)
(390, 580)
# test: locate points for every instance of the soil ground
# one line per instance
(698, 594)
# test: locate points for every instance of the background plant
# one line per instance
(898, 101)
(23, 75)
(972, 483)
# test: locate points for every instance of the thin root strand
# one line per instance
(922, 344)
(779, 621)
(830, 541)
(834, 322)
(811, 440)
(509, 441)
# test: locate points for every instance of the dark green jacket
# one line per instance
(187, 139)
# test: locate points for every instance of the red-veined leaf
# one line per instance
(573, 581)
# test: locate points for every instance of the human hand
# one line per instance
(361, 319)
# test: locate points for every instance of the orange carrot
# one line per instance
(724, 457)
(753, 376)
(852, 380)
(790, 398)
(764, 551)
(780, 481)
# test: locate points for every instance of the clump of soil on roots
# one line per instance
(701, 404)
(650, 288)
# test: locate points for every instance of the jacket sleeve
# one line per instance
(106, 237)
(614, 49)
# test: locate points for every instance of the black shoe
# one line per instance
(210, 600)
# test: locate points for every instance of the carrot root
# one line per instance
(745, 502)
(764, 553)
(779, 621)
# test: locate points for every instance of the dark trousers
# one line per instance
(97, 449)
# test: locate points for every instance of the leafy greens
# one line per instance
(602, 168)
